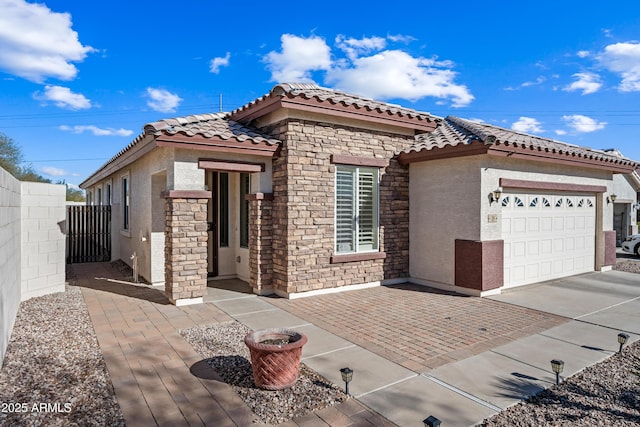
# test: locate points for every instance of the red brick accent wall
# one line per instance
(303, 206)
(261, 242)
(185, 248)
(610, 247)
(479, 265)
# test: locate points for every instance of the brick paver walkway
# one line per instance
(418, 327)
(155, 372)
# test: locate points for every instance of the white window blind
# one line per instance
(356, 224)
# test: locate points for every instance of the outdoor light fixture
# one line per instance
(622, 340)
(494, 196)
(612, 198)
(431, 421)
(557, 366)
(347, 375)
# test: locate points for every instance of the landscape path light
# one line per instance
(347, 375)
(557, 366)
(431, 421)
(622, 340)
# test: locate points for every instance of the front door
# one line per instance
(212, 224)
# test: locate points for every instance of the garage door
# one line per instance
(547, 236)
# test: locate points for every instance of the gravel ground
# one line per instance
(631, 266)
(54, 373)
(606, 394)
(222, 344)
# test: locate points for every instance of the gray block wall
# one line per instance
(32, 246)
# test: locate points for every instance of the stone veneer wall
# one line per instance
(261, 243)
(303, 206)
(185, 247)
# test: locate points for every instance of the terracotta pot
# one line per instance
(275, 366)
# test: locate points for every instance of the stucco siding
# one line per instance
(445, 205)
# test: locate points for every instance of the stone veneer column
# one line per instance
(260, 243)
(186, 246)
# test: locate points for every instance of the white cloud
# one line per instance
(218, 62)
(624, 59)
(386, 74)
(583, 54)
(560, 132)
(583, 124)
(37, 43)
(396, 74)
(52, 171)
(527, 124)
(63, 97)
(162, 100)
(401, 38)
(299, 56)
(538, 81)
(96, 130)
(586, 82)
(358, 47)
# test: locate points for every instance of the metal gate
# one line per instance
(88, 234)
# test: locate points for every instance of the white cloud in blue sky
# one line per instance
(95, 130)
(585, 82)
(583, 124)
(162, 100)
(221, 61)
(63, 97)
(37, 43)
(297, 58)
(623, 59)
(527, 124)
(369, 69)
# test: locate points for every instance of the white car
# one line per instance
(632, 244)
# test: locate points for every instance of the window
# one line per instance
(108, 195)
(223, 218)
(99, 197)
(244, 210)
(357, 209)
(125, 202)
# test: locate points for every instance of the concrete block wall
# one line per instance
(32, 246)
(9, 256)
(43, 212)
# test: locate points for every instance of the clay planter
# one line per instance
(275, 365)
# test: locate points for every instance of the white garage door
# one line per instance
(547, 236)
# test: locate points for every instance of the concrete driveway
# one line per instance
(610, 299)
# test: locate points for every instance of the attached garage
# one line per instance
(547, 236)
(492, 209)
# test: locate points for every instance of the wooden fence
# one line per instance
(88, 234)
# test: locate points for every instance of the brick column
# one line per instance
(186, 246)
(260, 243)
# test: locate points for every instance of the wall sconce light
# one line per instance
(431, 421)
(347, 375)
(557, 366)
(612, 198)
(494, 196)
(622, 340)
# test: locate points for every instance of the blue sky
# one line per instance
(78, 80)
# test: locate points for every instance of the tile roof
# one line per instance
(311, 91)
(209, 126)
(454, 131)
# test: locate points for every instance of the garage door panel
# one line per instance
(547, 236)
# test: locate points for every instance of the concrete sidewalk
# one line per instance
(466, 391)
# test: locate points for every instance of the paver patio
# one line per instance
(418, 327)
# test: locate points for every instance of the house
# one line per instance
(309, 190)
(626, 188)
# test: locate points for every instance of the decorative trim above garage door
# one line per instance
(550, 186)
